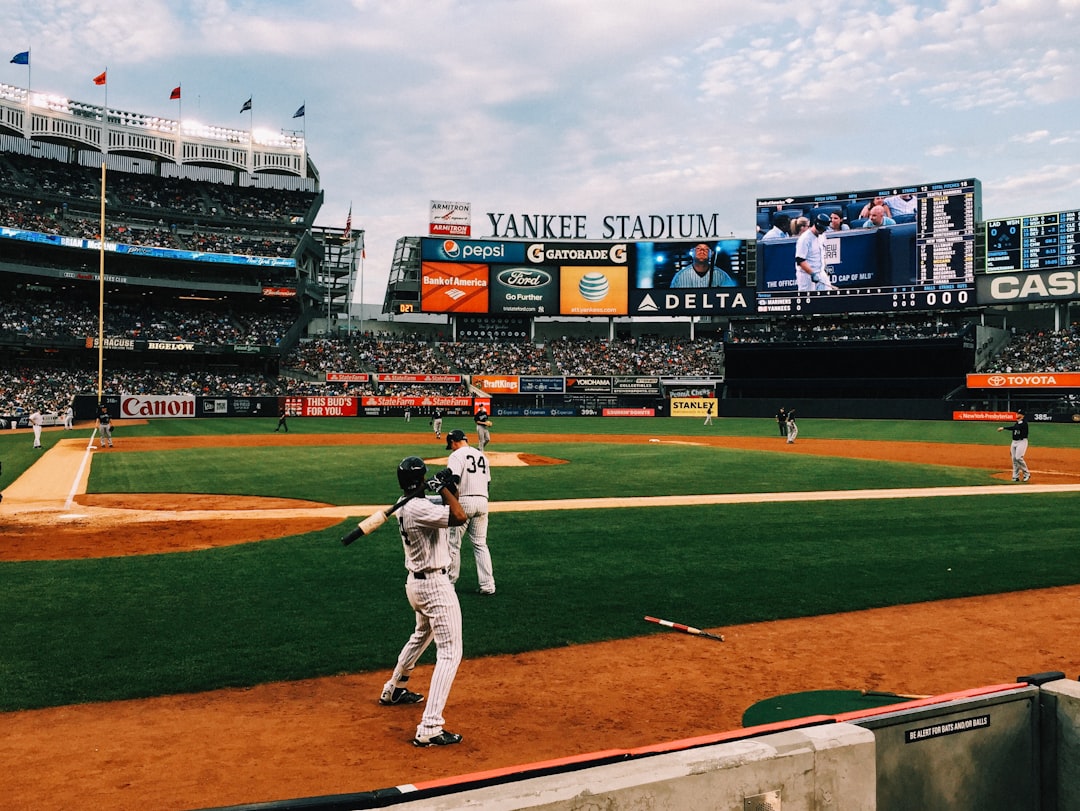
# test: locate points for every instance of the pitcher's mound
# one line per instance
(502, 459)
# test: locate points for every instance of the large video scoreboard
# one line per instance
(518, 278)
(920, 257)
(1033, 242)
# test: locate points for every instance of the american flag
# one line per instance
(348, 225)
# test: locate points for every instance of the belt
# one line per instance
(472, 495)
(424, 575)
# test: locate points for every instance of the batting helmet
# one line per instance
(411, 473)
(821, 220)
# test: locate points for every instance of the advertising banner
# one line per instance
(447, 218)
(471, 250)
(693, 406)
(592, 385)
(524, 289)
(347, 377)
(1028, 380)
(453, 287)
(150, 406)
(399, 378)
(321, 406)
(636, 385)
(496, 384)
(984, 416)
(415, 402)
(591, 290)
(541, 385)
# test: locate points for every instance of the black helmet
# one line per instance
(821, 220)
(411, 473)
(457, 435)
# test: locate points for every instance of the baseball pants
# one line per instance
(438, 618)
(476, 528)
(1017, 450)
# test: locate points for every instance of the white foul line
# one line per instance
(78, 476)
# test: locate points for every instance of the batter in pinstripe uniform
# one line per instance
(471, 466)
(425, 535)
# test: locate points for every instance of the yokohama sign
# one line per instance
(157, 406)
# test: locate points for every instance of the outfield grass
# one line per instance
(303, 606)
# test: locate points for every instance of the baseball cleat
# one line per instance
(1027, 477)
(399, 695)
(444, 738)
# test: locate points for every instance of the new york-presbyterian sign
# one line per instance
(612, 226)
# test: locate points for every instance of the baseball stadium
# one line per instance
(761, 541)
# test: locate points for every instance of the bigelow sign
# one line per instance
(160, 405)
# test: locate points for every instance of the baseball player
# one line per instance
(36, 421)
(483, 428)
(792, 428)
(1018, 446)
(710, 406)
(436, 423)
(104, 424)
(471, 466)
(425, 536)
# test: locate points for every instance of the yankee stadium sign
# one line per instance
(612, 226)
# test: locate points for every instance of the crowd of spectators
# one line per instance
(50, 197)
(645, 355)
(303, 369)
(866, 329)
(24, 387)
(1039, 351)
(38, 317)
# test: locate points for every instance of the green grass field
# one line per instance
(302, 606)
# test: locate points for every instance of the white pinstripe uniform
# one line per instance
(425, 537)
(472, 467)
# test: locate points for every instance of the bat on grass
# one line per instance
(685, 628)
(376, 520)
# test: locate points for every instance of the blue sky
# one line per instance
(600, 107)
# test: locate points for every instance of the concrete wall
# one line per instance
(1060, 743)
(822, 768)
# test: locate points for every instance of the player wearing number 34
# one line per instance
(471, 466)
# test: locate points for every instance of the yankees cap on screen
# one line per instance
(457, 435)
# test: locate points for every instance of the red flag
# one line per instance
(175, 94)
(100, 78)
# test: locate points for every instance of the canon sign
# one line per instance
(134, 407)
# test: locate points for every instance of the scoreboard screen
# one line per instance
(1033, 242)
(889, 249)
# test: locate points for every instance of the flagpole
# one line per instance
(27, 126)
(105, 134)
(101, 288)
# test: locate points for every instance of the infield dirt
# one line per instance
(329, 736)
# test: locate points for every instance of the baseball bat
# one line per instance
(376, 520)
(678, 626)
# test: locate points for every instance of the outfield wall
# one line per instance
(1009, 746)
